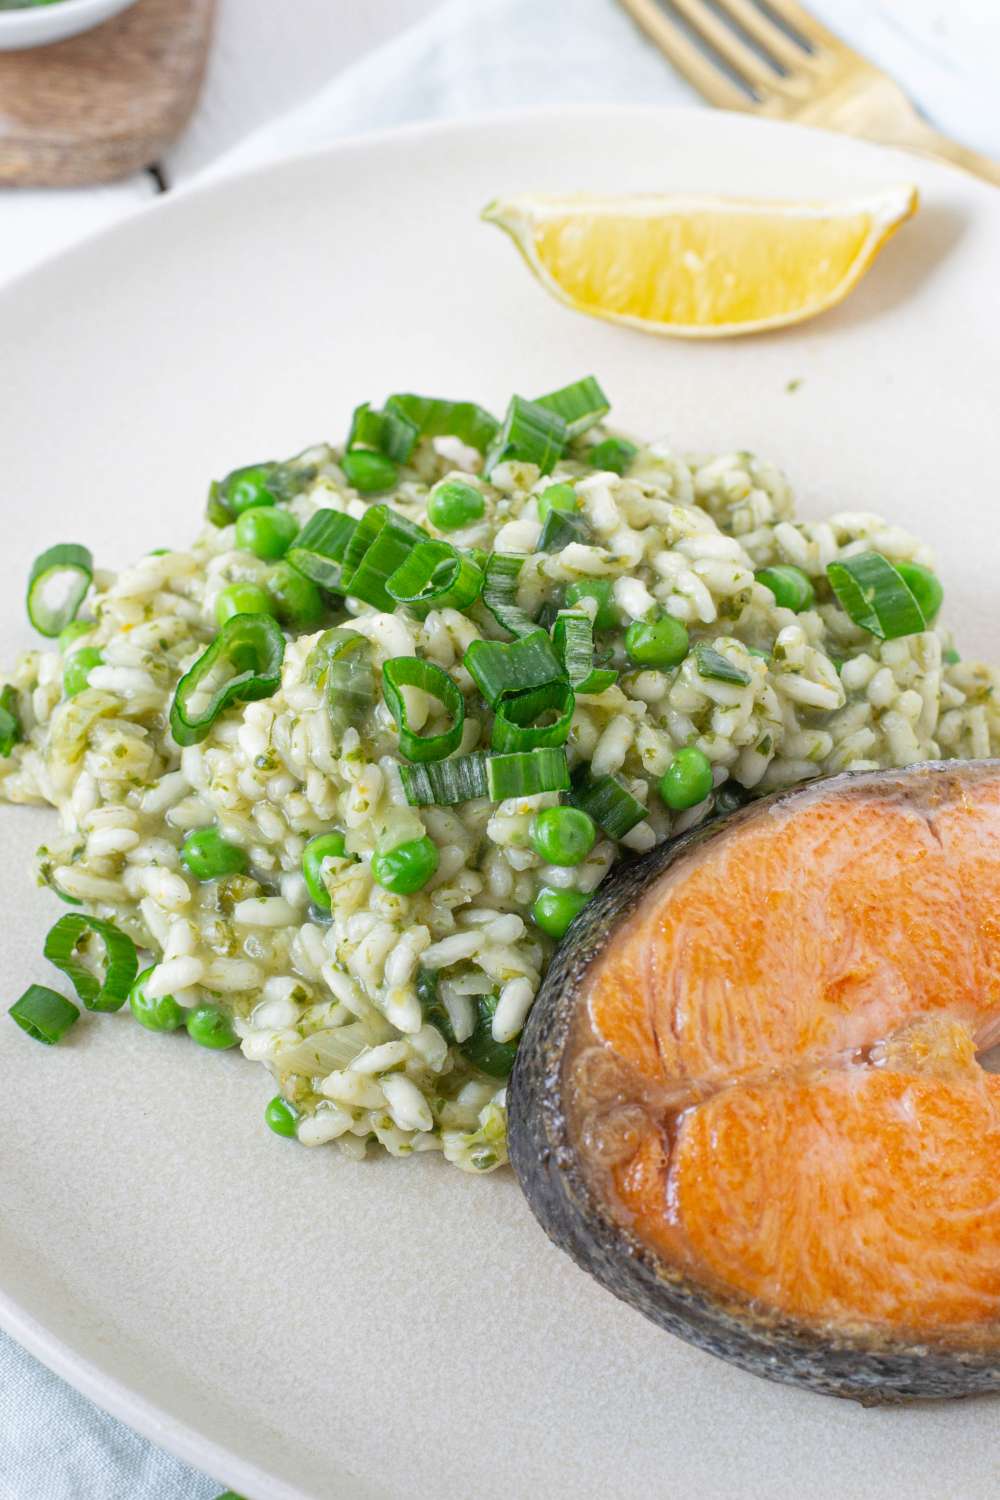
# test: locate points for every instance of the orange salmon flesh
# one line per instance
(800, 1008)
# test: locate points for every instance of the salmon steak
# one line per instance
(751, 1098)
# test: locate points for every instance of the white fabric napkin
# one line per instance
(469, 57)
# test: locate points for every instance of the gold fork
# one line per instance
(771, 58)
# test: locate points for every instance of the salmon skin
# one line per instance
(749, 1098)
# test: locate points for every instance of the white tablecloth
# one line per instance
(467, 57)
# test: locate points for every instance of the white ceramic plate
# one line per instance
(53, 23)
(304, 1327)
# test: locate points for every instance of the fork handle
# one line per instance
(929, 142)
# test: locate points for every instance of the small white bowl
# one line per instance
(51, 23)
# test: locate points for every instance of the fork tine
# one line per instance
(727, 43)
(811, 30)
(716, 86)
(759, 26)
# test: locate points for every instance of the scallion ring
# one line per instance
(434, 417)
(581, 405)
(435, 576)
(391, 432)
(340, 665)
(518, 725)
(498, 667)
(380, 544)
(609, 802)
(57, 586)
(242, 664)
(530, 434)
(119, 961)
(876, 596)
(573, 640)
(712, 663)
(44, 1014)
(500, 580)
(407, 671)
(319, 549)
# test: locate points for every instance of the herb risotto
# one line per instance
(334, 782)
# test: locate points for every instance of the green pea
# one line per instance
(557, 497)
(73, 631)
(481, 1049)
(925, 587)
(210, 1026)
(78, 669)
(407, 867)
(369, 472)
(563, 835)
(297, 601)
(789, 585)
(324, 846)
(662, 642)
(209, 856)
(248, 487)
(950, 657)
(162, 1014)
(554, 910)
(687, 780)
(601, 591)
(242, 599)
(266, 531)
(453, 505)
(280, 1117)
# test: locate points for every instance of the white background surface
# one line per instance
(270, 57)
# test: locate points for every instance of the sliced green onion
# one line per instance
(44, 1014)
(58, 585)
(340, 664)
(242, 664)
(609, 802)
(531, 434)
(11, 732)
(407, 671)
(497, 667)
(435, 576)
(876, 596)
(379, 546)
(500, 592)
(573, 639)
(526, 773)
(516, 724)
(712, 663)
(120, 962)
(521, 774)
(321, 546)
(559, 529)
(580, 405)
(431, 1005)
(437, 418)
(925, 587)
(443, 783)
(390, 432)
(614, 453)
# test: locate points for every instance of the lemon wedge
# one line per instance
(701, 267)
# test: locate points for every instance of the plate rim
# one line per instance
(84, 1372)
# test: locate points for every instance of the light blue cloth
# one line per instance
(465, 58)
